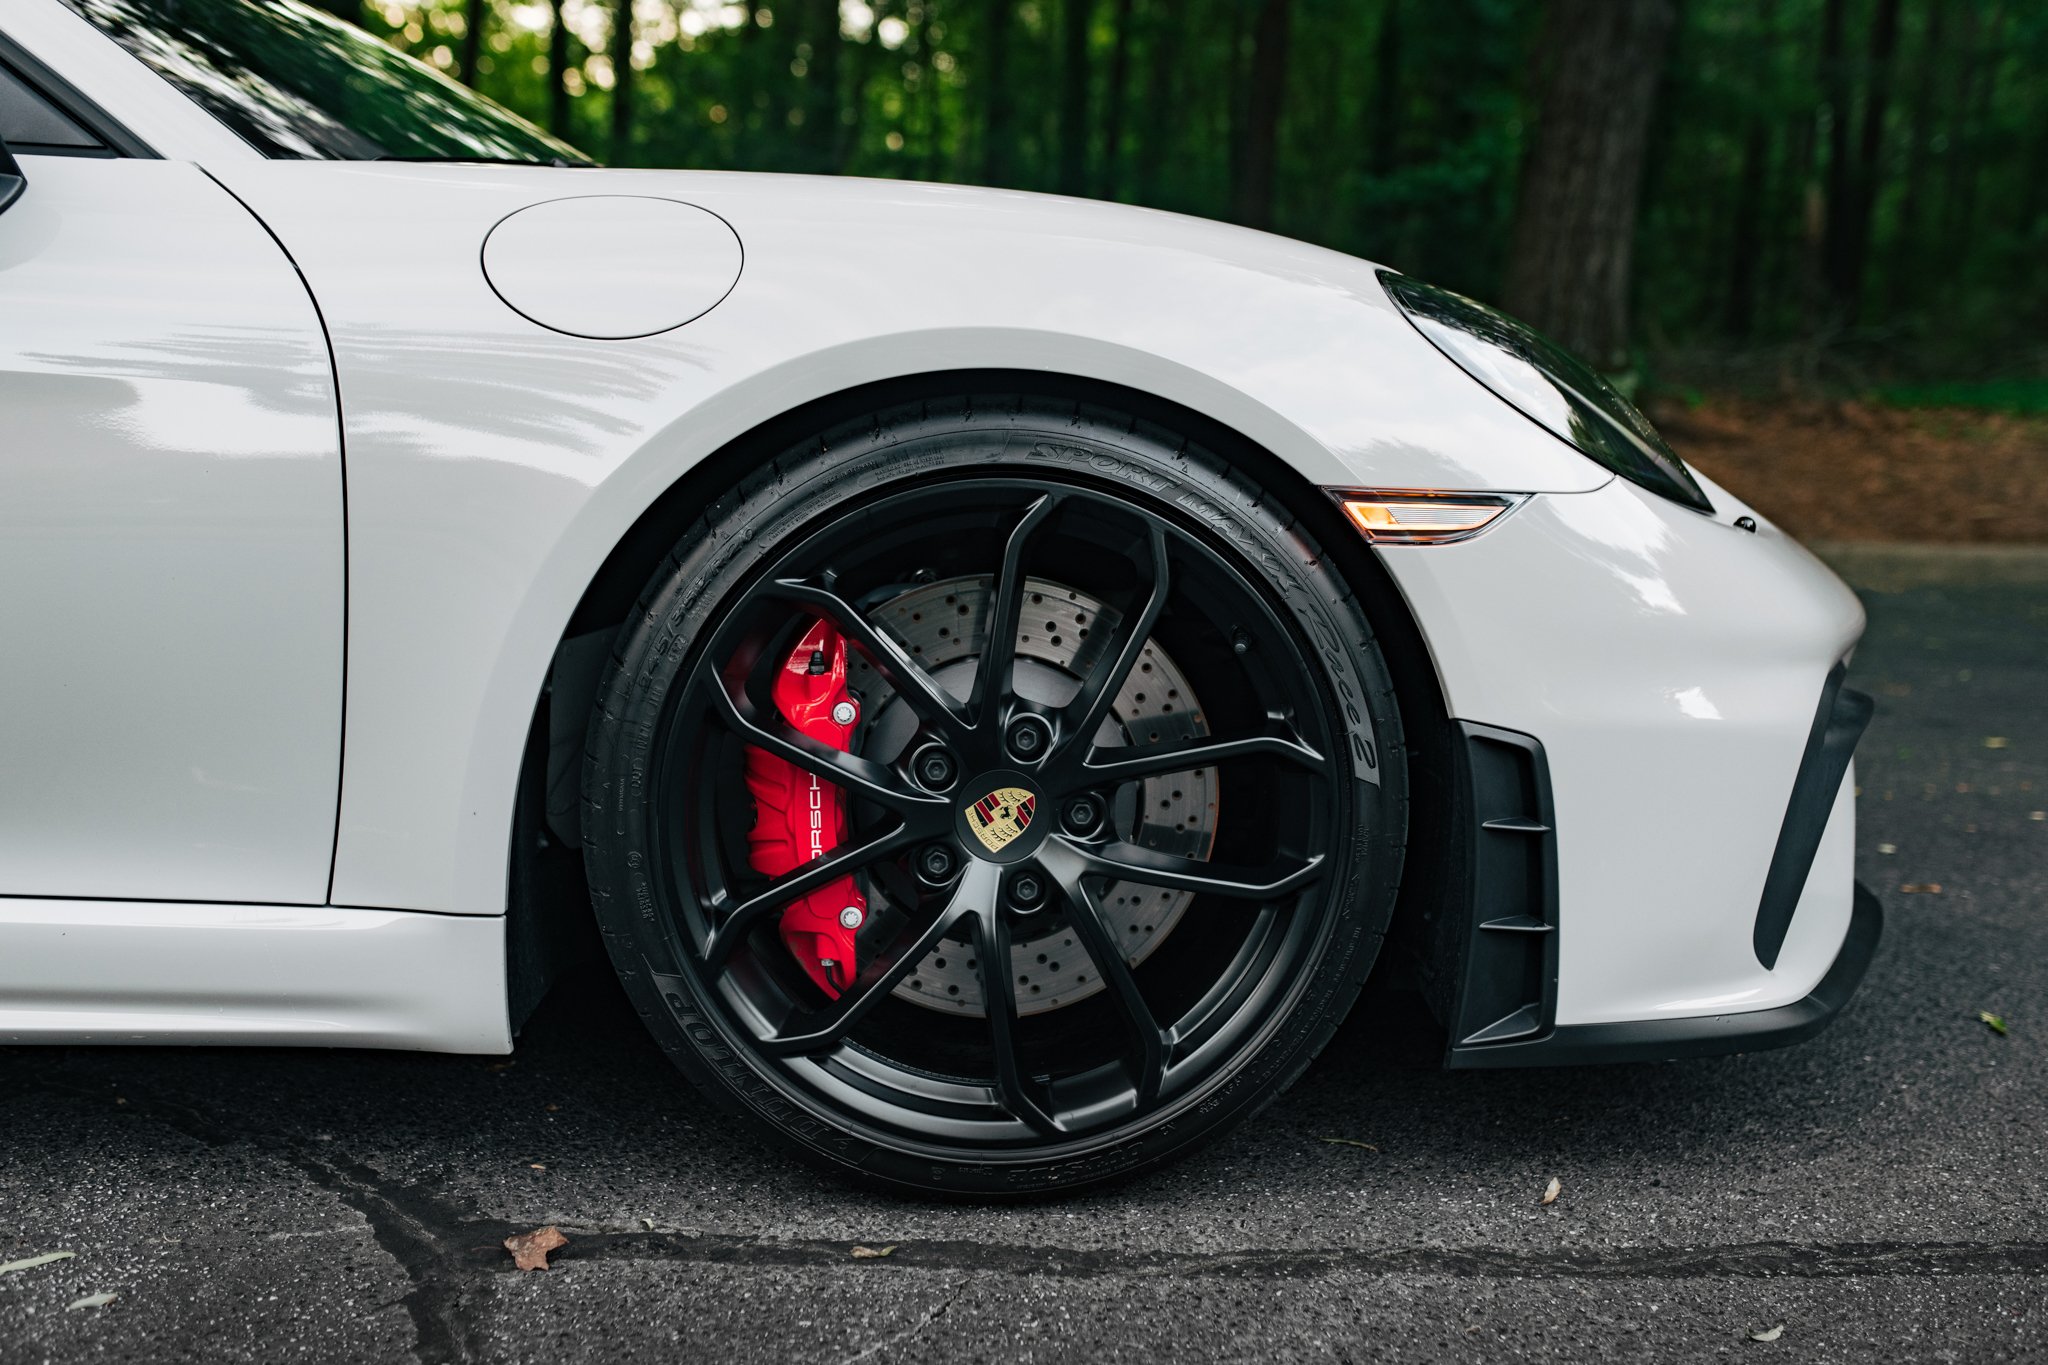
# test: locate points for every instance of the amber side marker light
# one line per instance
(1407, 517)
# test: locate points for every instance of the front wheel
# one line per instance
(995, 798)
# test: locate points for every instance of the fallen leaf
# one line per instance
(2037, 815)
(1768, 1334)
(99, 1300)
(1994, 1022)
(30, 1263)
(647, 1223)
(535, 1166)
(1552, 1190)
(1887, 848)
(1350, 1142)
(1921, 888)
(530, 1249)
(1994, 741)
(873, 1253)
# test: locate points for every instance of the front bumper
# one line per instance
(1497, 935)
(1656, 672)
(1661, 1040)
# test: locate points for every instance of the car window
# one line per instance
(30, 123)
(298, 83)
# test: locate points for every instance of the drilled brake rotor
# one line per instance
(1062, 635)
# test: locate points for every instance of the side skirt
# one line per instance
(128, 972)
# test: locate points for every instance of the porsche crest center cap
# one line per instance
(1000, 818)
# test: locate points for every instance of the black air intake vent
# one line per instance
(1508, 986)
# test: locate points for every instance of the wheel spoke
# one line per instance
(1084, 715)
(992, 681)
(847, 858)
(918, 689)
(974, 891)
(1085, 916)
(999, 999)
(860, 776)
(1152, 761)
(1132, 863)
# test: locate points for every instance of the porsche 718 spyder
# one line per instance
(997, 672)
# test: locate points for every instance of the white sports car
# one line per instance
(998, 671)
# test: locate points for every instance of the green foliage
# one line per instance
(1403, 132)
(2026, 397)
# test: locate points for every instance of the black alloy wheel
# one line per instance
(1125, 799)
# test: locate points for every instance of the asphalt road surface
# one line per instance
(1879, 1191)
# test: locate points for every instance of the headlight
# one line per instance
(1546, 384)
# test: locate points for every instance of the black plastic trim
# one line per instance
(1498, 938)
(72, 102)
(1660, 1040)
(11, 180)
(1840, 721)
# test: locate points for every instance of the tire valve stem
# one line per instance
(1240, 643)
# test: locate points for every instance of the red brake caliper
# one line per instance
(799, 817)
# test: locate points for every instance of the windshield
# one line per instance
(298, 83)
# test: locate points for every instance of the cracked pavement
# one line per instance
(1879, 1190)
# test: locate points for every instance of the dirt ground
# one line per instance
(1846, 471)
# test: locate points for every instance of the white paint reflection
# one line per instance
(1693, 702)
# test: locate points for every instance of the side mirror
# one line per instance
(12, 181)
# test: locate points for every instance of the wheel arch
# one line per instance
(549, 921)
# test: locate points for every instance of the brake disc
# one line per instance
(1063, 633)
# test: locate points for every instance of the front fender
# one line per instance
(493, 464)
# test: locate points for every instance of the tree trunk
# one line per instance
(850, 125)
(746, 92)
(1259, 152)
(475, 14)
(1852, 175)
(1383, 127)
(1746, 235)
(998, 113)
(1571, 254)
(1076, 17)
(1155, 138)
(1966, 152)
(928, 84)
(1836, 97)
(1110, 177)
(558, 64)
(1901, 277)
(821, 84)
(1745, 241)
(1232, 132)
(622, 82)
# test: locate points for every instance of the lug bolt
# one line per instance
(1027, 889)
(933, 767)
(850, 917)
(1080, 815)
(1029, 737)
(844, 713)
(935, 864)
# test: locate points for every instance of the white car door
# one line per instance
(172, 560)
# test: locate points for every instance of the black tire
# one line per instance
(915, 1091)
